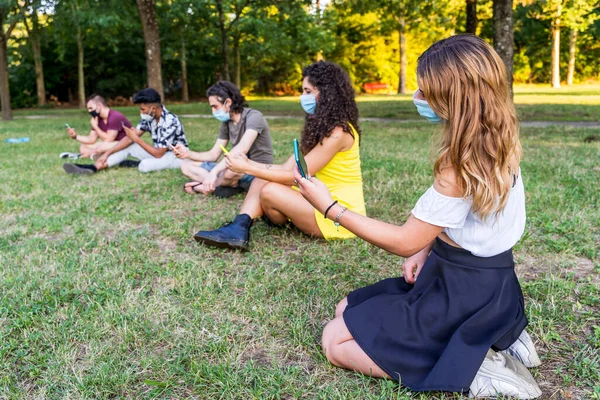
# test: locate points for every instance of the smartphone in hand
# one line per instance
(300, 162)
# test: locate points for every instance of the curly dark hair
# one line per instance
(336, 105)
(226, 90)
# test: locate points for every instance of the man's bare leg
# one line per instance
(226, 178)
(86, 150)
(194, 171)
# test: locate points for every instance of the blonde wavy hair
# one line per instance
(465, 83)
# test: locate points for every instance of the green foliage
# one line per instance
(533, 22)
(276, 39)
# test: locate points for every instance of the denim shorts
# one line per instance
(244, 182)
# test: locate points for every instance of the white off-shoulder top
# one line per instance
(483, 238)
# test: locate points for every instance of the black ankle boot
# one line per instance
(232, 235)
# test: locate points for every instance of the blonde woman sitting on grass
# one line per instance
(459, 327)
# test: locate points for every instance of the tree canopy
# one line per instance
(80, 47)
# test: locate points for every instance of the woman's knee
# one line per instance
(269, 193)
(331, 340)
(341, 306)
(186, 167)
(327, 341)
(85, 150)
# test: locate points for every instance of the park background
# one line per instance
(103, 293)
(58, 52)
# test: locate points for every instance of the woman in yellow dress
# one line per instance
(330, 143)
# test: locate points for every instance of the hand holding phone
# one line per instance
(300, 162)
(71, 131)
(173, 149)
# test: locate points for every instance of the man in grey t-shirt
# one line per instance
(248, 132)
(262, 149)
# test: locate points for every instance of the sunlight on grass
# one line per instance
(105, 294)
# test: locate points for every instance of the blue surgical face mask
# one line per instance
(221, 115)
(308, 103)
(425, 110)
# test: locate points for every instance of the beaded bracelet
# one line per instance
(336, 222)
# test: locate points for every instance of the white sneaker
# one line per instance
(72, 156)
(502, 374)
(524, 351)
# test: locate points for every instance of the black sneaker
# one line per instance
(77, 169)
(231, 235)
(129, 164)
(223, 192)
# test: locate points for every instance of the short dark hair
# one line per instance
(226, 90)
(96, 98)
(146, 96)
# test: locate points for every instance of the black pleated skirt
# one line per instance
(434, 335)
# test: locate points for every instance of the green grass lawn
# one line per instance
(104, 294)
(534, 103)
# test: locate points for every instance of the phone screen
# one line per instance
(302, 167)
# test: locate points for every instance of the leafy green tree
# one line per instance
(578, 16)
(278, 41)
(471, 11)
(230, 13)
(188, 35)
(80, 8)
(8, 16)
(152, 43)
(504, 35)
(400, 16)
(35, 27)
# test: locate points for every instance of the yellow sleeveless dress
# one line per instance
(343, 176)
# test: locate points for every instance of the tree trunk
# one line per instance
(556, 49)
(152, 42)
(318, 11)
(504, 36)
(39, 69)
(4, 88)
(185, 94)
(80, 77)
(572, 49)
(238, 62)
(402, 51)
(471, 17)
(224, 33)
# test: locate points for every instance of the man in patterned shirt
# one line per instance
(166, 130)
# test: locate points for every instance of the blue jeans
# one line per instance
(244, 182)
